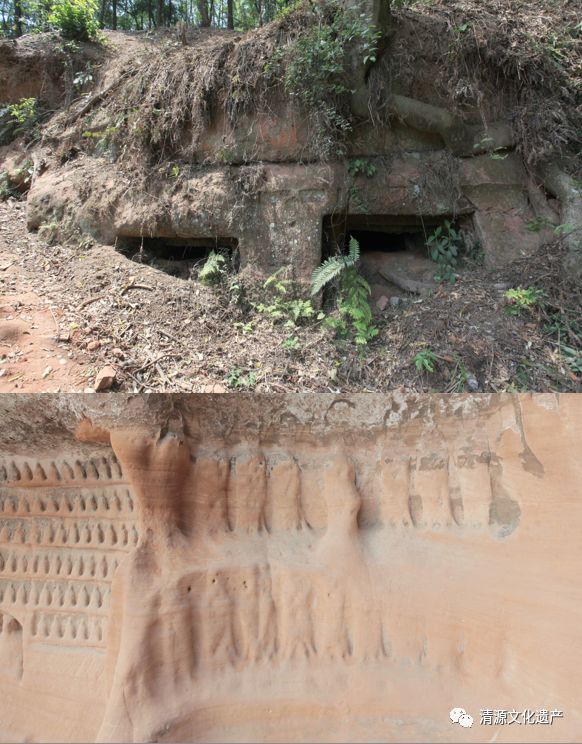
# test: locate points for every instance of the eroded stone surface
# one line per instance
(227, 568)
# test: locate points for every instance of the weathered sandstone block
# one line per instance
(227, 568)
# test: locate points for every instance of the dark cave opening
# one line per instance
(178, 256)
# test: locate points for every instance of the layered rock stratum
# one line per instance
(306, 568)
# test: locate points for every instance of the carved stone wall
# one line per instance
(228, 568)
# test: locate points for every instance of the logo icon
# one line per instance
(460, 716)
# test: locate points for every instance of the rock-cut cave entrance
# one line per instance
(386, 233)
(393, 252)
(178, 256)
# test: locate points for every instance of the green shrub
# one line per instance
(314, 69)
(75, 19)
(19, 119)
(523, 299)
(444, 246)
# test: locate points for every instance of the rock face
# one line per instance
(312, 568)
(279, 220)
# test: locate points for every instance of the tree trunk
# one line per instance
(18, 17)
(230, 14)
(114, 12)
(204, 13)
(160, 14)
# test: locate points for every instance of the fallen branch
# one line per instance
(136, 286)
(90, 300)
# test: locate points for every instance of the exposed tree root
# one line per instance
(462, 139)
(561, 185)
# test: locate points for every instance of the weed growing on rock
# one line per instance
(313, 70)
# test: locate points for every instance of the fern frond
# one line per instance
(329, 270)
(212, 268)
(333, 267)
(354, 253)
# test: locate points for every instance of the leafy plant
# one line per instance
(82, 78)
(522, 299)
(360, 166)
(292, 344)
(213, 269)
(334, 266)
(237, 378)
(425, 360)
(537, 224)
(313, 69)
(246, 328)
(354, 291)
(354, 305)
(564, 229)
(573, 358)
(291, 310)
(523, 381)
(75, 19)
(6, 188)
(460, 377)
(19, 119)
(224, 155)
(444, 245)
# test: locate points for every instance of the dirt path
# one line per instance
(77, 309)
(35, 355)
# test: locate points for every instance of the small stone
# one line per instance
(105, 378)
(395, 301)
(216, 388)
(472, 383)
(88, 390)
(117, 353)
(47, 372)
(93, 345)
(381, 303)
